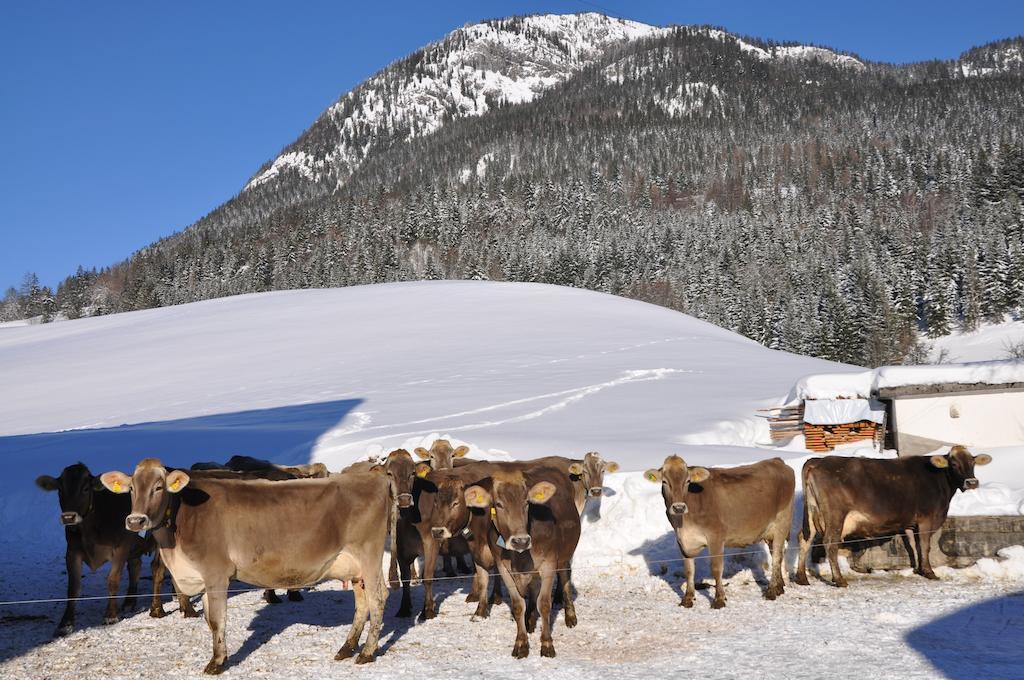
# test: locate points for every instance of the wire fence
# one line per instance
(590, 567)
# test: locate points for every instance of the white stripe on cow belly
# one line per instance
(854, 521)
(186, 575)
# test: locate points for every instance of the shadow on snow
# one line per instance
(32, 540)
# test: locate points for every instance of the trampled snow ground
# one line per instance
(514, 370)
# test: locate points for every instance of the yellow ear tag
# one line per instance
(116, 487)
(539, 496)
(423, 472)
(175, 485)
(494, 513)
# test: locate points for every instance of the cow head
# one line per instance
(959, 465)
(75, 489)
(590, 471)
(441, 454)
(449, 514)
(509, 504)
(151, 486)
(675, 478)
(401, 471)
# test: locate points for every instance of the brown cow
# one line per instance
(441, 454)
(286, 534)
(715, 508)
(867, 498)
(247, 467)
(533, 529)
(93, 520)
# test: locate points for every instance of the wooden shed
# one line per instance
(912, 409)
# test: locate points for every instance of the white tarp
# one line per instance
(840, 411)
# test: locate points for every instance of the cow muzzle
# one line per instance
(520, 543)
(970, 483)
(440, 533)
(678, 509)
(70, 519)
(404, 500)
(595, 491)
(136, 522)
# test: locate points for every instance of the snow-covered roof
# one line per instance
(864, 384)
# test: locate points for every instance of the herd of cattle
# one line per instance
(293, 526)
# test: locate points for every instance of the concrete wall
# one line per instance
(960, 543)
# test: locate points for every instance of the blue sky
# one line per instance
(122, 122)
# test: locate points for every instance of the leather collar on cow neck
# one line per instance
(164, 531)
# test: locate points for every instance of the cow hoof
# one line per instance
(427, 614)
(687, 601)
(473, 597)
(110, 620)
(157, 612)
(773, 592)
(718, 603)
(570, 620)
(930, 575)
(214, 668)
(345, 652)
(480, 614)
(64, 629)
(547, 649)
(801, 579)
(271, 597)
(841, 584)
(521, 650)
(365, 658)
(295, 596)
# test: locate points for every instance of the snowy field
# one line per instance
(513, 371)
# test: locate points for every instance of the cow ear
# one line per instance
(541, 492)
(46, 483)
(653, 475)
(611, 467)
(423, 469)
(699, 474)
(176, 481)
(576, 469)
(982, 459)
(460, 452)
(940, 461)
(116, 482)
(477, 497)
(377, 468)
(422, 452)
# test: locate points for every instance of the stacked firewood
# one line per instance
(826, 437)
(784, 422)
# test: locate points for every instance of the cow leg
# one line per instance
(376, 594)
(358, 621)
(717, 568)
(295, 596)
(73, 559)
(688, 596)
(832, 540)
(521, 649)
(923, 536)
(215, 607)
(393, 579)
(430, 553)
(405, 608)
(547, 579)
(532, 595)
(449, 566)
(480, 583)
(496, 597)
(565, 589)
(462, 564)
(908, 545)
(156, 605)
(113, 585)
(808, 532)
(270, 596)
(130, 603)
(777, 584)
(184, 602)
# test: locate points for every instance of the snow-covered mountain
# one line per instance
(469, 72)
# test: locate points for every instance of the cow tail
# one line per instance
(805, 476)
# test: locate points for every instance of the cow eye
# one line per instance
(158, 487)
(499, 505)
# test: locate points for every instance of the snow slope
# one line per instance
(514, 370)
(990, 341)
